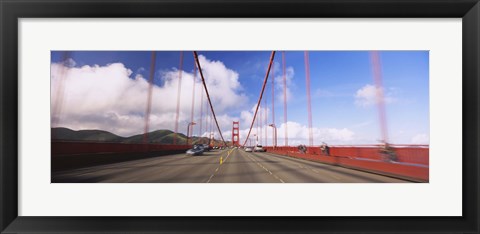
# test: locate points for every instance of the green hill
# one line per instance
(158, 136)
(84, 135)
(152, 136)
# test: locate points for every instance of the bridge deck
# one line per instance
(237, 167)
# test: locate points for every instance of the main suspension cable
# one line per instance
(261, 95)
(208, 95)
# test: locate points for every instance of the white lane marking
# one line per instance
(208, 181)
(318, 172)
(228, 155)
(309, 168)
(264, 168)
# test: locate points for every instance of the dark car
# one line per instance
(196, 150)
(206, 147)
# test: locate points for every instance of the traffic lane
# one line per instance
(160, 169)
(336, 173)
(141, 170)
(240, 168)
(96, 173)
(331, 173)
(298, 172)
(287, 171)
(196, 170)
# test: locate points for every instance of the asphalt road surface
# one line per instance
(237, 166)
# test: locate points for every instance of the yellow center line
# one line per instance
(228, 155)
(223, 161)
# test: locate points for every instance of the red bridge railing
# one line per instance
(72, 148)
(412, 161)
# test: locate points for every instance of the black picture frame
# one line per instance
(11, 11)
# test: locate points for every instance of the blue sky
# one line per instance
(343, 110)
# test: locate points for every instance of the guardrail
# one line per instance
(72, 155)
(71, 148)
(412, 162)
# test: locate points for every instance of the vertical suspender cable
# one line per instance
(180, 67)
(211, 124)
(309, 100)
(273, 104)
(149, 96)
(265, 120)
(207, 118)
(377, 75)
(285, 98)
(193, 98)
(259, 122)
(59, 90)
(256, 133)
(200, 133)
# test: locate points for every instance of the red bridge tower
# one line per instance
(235, 133)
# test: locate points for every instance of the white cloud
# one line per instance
(279, 86)
(297, 133)
(106, 97)
(69, 62)
(369, 95)
(420, 139)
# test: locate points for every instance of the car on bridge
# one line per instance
(248, 149)
(258, 148)
(207, 147)
(196, 150)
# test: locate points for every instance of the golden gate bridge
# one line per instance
(408, 162)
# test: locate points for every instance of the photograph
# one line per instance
(239, 116)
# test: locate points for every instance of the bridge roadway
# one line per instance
(238, 167)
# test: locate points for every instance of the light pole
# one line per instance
(188, 131)
(275, 135)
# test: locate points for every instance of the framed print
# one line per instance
(310, 116)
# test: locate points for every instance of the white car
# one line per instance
(258, 148)
(248, 149)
